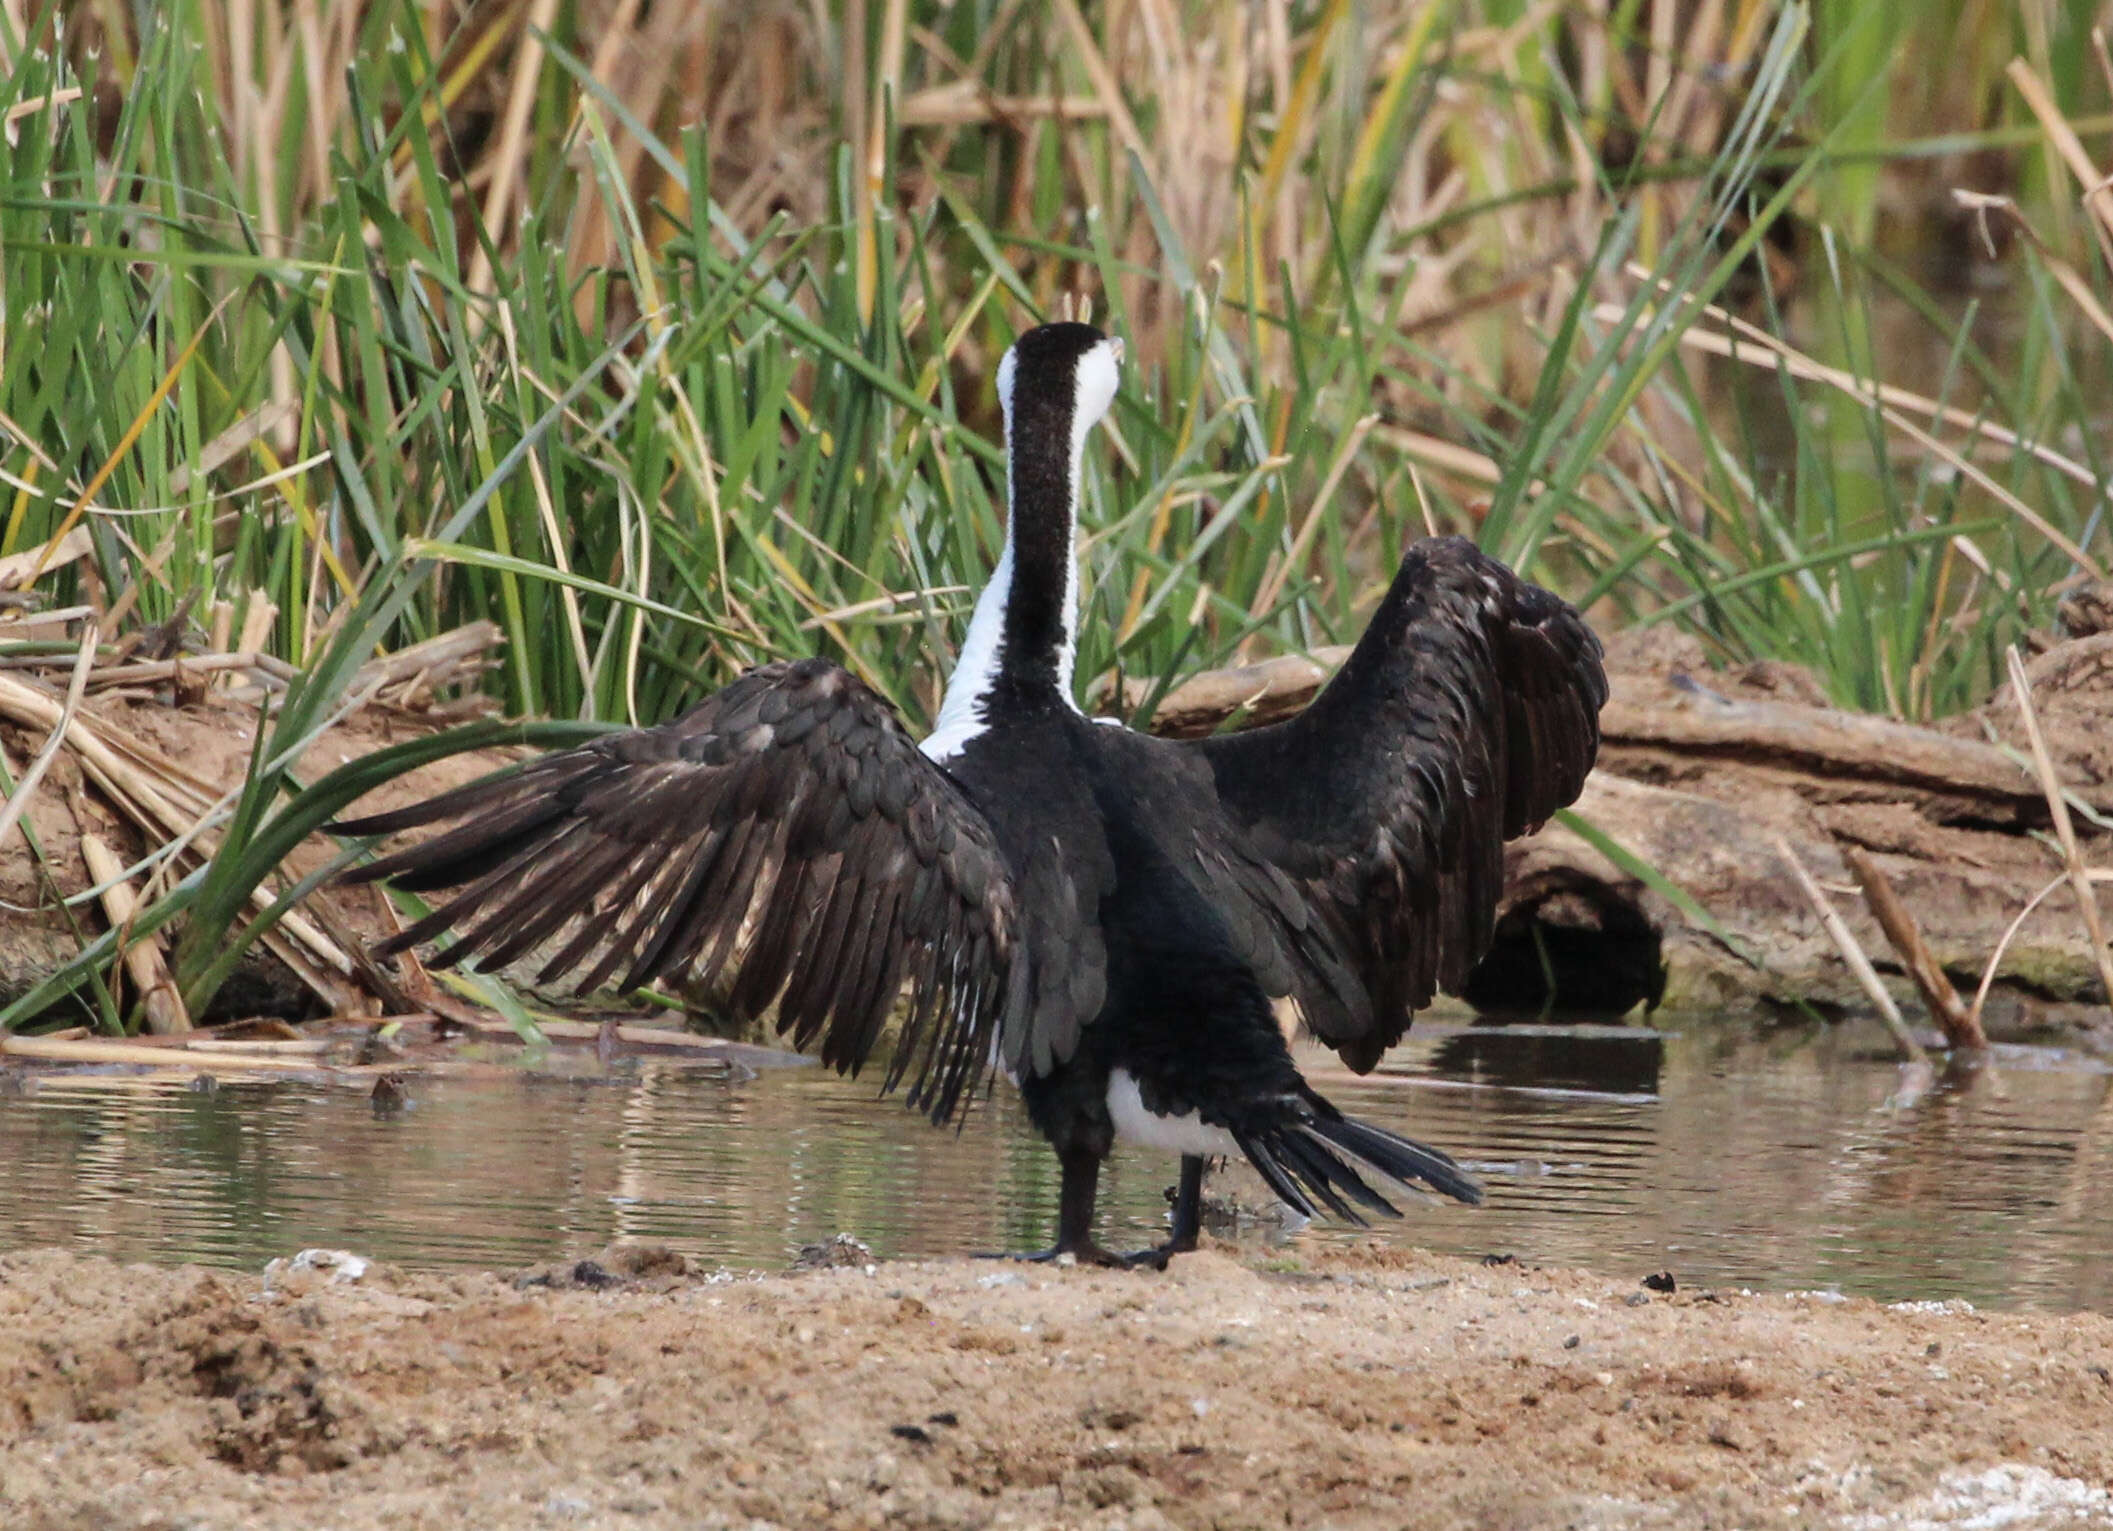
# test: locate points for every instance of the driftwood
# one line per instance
(1961, 1026)
(1250, 694)
(1651, 719)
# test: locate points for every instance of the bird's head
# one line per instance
(1066, 371)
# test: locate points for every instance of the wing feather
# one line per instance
(1466, 715)
(782, 843)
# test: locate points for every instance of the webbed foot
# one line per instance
(1158, 1255)
(1088, 1253)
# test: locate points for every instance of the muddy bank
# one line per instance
(1371, 1388)
(1704, 775)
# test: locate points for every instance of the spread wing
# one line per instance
(1466, 715)
(783, 842)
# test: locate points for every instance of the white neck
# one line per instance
(962, 711)
(976, 671)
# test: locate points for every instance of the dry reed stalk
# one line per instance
(1961, 1027)
(257, 623)
(1853, 954)
(97, 1050)
(266, 668)
(872, 139)
(18, 800)
(18, 569)
(24, 625)
(1442, 455)
(2098, 195)
(509, 154)
(2064, 831)
(140, 789)
(1105, 84)
(144, 962)
(962, 103)
(135, 788)
(305, 1047)
(635, 66)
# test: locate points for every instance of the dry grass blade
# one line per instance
(1302, 542)
(2064, 831)
(1853, 954)
(1743, 340)
(2070, 280)
(2010, 932)
(2010, 502)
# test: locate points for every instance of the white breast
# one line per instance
(1187, 1134)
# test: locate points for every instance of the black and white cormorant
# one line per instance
(1104, 915)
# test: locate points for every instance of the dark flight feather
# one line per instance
(783, 843)
(1466, 715)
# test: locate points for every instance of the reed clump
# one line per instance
(660, 337)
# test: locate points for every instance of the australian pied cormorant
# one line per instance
(1105, 915)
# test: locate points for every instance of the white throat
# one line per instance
(961, 712)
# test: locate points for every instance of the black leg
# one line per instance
(1082, 1174)
(1188, 1206)
(1082, 1183)
(1187, 1220)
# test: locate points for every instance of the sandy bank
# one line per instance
(1370, 1388)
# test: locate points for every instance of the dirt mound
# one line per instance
(1380, 1388)
(89, 1342)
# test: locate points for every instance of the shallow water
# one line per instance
(1729, 1156)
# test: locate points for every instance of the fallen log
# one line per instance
(1700, 771)
(1670, 713)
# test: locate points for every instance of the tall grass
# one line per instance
(668, 346)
